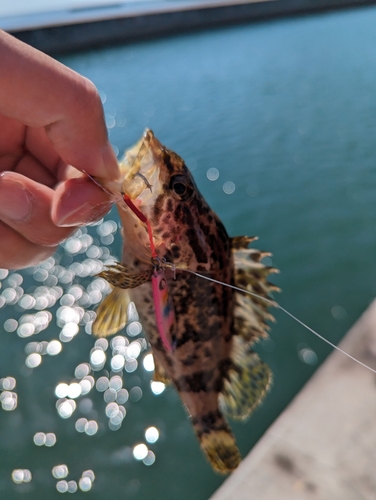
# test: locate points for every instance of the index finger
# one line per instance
(41, 92)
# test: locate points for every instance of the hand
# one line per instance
(51, 130)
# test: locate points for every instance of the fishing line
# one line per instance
(93, 179)
(275, 304)
(142, 217)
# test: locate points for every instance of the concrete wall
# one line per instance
(62, 33)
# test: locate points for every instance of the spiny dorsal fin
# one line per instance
(251, 313)
(111, 313)
(246, 383)
(239, 242)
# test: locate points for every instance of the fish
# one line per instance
(205, 348)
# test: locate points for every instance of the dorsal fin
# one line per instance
(250, 313)
(249, 378)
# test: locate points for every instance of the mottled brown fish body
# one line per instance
(191, 235)
(212, 364)
(203, 342)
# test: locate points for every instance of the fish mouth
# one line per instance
(140, 170)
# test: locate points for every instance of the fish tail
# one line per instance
(218, 443)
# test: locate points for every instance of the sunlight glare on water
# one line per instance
(148, 362)
(60, 471)
(157, 387)
(140, 451)
(151, 434)
(21, 476)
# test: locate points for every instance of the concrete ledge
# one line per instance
(324, 445)
(81, 29)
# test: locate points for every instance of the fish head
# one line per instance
(158, 182)
(152, 172)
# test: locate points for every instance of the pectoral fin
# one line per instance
(112, 313)
(122, 276)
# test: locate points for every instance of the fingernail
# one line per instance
(84, 214)
(15, 200)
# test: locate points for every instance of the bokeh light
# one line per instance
(65, 407)
(91, 427)
(307, 354)
(62, 486)
(140, 451)
(149, 459)
(64, 296)
(54, 347)
(60, 471)
(229, 187)
(157, 387)
(50, 439)
(134, 328)
(117, 362)
(151, 434)
(21, 476)
(135, 394)
(85, 484)
(148, 362)
(10, 325)
(7, 384)
(72, 487)
(212, 174)
(39, 438)
(97, 359)
(33, 360)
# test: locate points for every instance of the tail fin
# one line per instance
(218, 445)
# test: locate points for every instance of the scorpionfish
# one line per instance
(211, 362)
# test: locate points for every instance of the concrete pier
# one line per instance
(323, 446)
(78, 29)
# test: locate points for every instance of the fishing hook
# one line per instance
(148, 185)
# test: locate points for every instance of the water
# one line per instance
(27, 7)
(285, 111)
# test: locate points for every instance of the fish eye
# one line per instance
(179, 188)
(178, 185)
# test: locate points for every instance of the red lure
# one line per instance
(164, 308)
